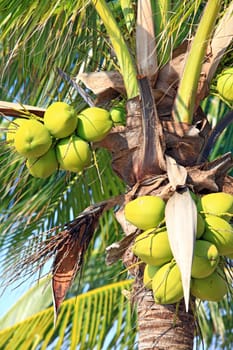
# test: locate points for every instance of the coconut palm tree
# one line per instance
(161, 60)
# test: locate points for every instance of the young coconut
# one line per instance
(118, 115)
(205, 259)
(220, 233)
(145, 212)
(94, 124)
(60, 119)
(73, 153)
(167, 285)
(212, 288)
(200, 226)
(32, 139)
(149, 273)
(43, 166)
(153, 248)
(219, 204)
(225, 85)
(13, 127)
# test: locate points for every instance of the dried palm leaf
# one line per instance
(98, 82)
(69, 256)
(222, 38)
(17, 109)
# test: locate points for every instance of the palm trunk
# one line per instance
(163, 326)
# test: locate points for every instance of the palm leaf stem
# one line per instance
(145, 42)
(185, 99)
(127, 67)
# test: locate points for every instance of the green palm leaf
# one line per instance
(216, 109)
(48, 35)
(128, 69)
(216, 318)
(26, 306)
(92, 314)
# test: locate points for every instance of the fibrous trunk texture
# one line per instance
(163, 327)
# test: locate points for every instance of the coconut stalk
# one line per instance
(185, 98)
(127, 67)
(145, 42)
(222, 37)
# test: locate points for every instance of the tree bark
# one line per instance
(163, 327)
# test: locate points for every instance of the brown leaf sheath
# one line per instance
(69, 256)
(152, 157)
(70, 252)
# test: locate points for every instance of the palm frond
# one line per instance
(215, 322)
(50, 35)
(174, 23)
(85, 321)
(36, 299)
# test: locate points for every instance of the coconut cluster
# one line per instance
(214, 241)
(62, 139)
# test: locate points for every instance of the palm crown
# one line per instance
(53, 44)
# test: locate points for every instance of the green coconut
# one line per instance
(32, 139)
(145, 212)
(60, 119)
(73, 154)
(219, 204)
(153, 248)
(13, 127)
(149, 273)
(200, 225)
(220, 233)
(94, 124)
(43, 166)
(118, 115)
(212, 288)
(225, 85)
(166, 284)
(205, 259)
